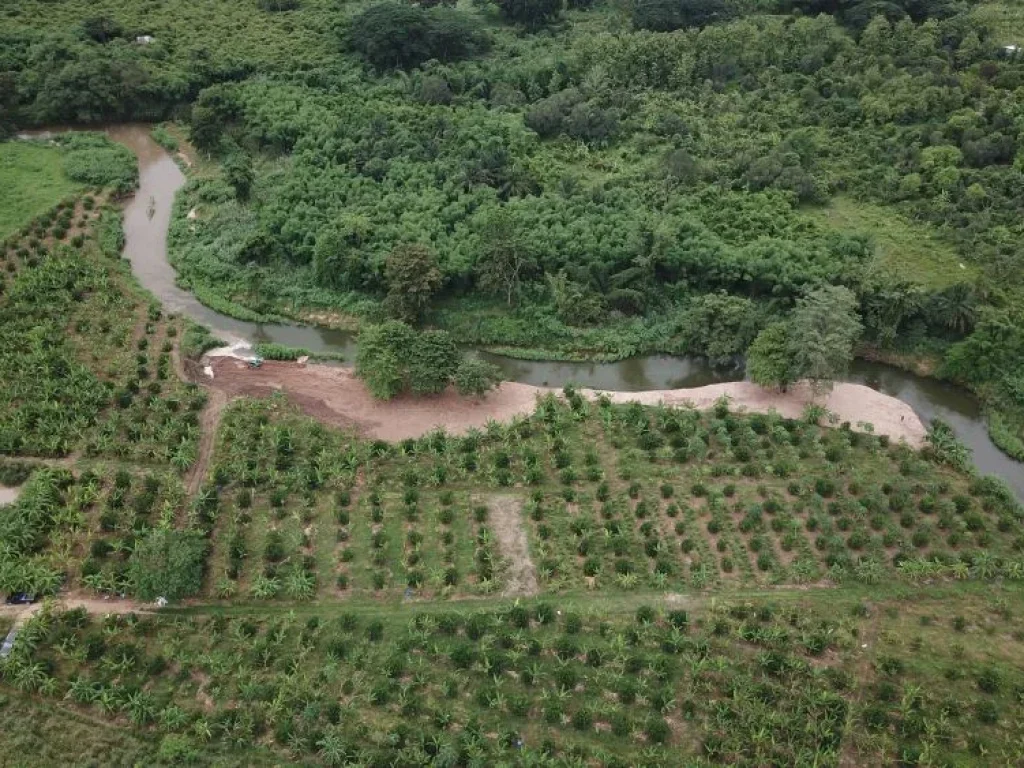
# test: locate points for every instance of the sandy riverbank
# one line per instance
(335, 396)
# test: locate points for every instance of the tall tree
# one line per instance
(504, 258)
(239, 174)
(382, 357)
(822, 332)
(432, 361)
(413, 277)
(769, 362)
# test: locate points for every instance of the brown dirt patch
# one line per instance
(209, 420)
(335, 396)
(505, 519)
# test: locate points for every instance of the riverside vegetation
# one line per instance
(700, 588)
(596, 180)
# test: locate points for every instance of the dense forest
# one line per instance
(591, 180)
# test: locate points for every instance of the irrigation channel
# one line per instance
(148, 216)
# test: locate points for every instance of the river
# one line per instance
(146, 249)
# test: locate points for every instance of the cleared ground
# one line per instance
(903, 248)
(335, 396)
(33, 182)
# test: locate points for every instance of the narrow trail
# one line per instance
(507, 523)
(95, 605)
(209, 421)
(863, 672)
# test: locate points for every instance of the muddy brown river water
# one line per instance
(148, 215)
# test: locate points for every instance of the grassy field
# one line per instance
(909, 251)
(34, 182)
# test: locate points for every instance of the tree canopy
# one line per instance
(822, 332)
(396, 35)
(769, 358)
(394, 358)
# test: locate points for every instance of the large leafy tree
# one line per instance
(431, 362)
(394, 358)
(394, 35)
(504, 258)
(667, 15)
(822, 332)
(382, 357)
(769, 362)
(413, 277)
(239, 174)
(339, 260)
(475, 376)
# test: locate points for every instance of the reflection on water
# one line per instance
(146, 248)
(933, 399)
(633, 375)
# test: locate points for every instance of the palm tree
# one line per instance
(332, 748)
(955, 308)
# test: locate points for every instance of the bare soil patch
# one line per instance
(335, 396)
(506, 520)
(209, 420)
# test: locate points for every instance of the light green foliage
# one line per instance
(822, 332)
(769, 358)
(167, 563)
(383, 356)
(475, 376)
(33, 182)
(164, 138)
(94, 160)
(905, 250)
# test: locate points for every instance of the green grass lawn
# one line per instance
(33, 182)
(909, 250)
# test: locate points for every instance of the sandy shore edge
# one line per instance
(334, 395)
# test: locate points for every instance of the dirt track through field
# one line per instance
(506, 520)
(209, 420)
(95, 605)
(335, 396)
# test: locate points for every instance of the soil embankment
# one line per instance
(335, 396)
